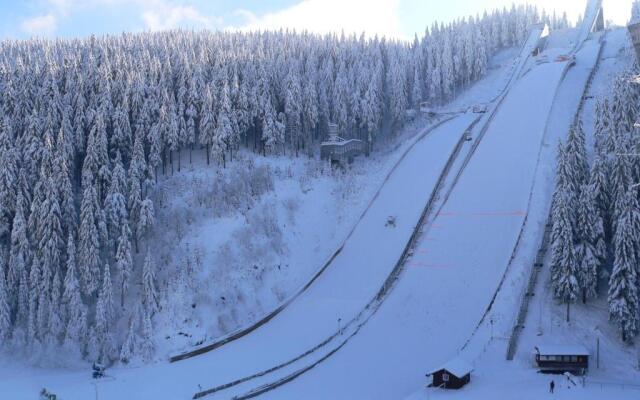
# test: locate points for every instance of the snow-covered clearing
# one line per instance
(258, 251)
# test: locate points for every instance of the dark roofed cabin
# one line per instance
(453, 375)
(560, 359)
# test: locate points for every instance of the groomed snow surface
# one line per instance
(617, 376)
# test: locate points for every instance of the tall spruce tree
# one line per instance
(624, 303)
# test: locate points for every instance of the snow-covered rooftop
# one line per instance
(562, 350)
(457, 367)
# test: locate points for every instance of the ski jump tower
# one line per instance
(634, 28)
(598, 20)
(593, 20)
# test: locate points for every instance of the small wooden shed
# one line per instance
(561, 359)
(452, 375)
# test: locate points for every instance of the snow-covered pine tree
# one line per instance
(223, 131)
(34, 294)
(146, 219)
(207, 122)
(120, 140)
(89, 248)
(8, 176)
(5, 311)
(172, 132)
(576, 149)
(55, 326)
(624, 303)
(19, 255)
(618, 183)
(564, 265)
(150, 295)
(293, 104)
(138, 166)
(310, 112)
(191, 114)
(146, 341)
(105, 313)
(132, 340)
(589, 242)
(64, 181)
(600, 187)
(124, 262)
(75, 310)
(115, 202)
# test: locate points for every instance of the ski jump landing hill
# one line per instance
(393, 301)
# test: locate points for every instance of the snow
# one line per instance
(562, 350)
(589, 21)
(341, 292)
(239, 291)
(457, 265)
(458, 294)
(613, 373)
(457, 367)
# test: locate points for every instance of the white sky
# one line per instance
(395, 18)
(402, 18)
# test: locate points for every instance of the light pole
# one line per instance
(491, 322)
(339, 326)
(95, 385)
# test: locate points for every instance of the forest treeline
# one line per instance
(595, 212)
(87, 126)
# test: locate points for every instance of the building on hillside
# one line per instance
(561, 359)
(340, 151)
(453, 375)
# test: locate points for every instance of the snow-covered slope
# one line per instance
(457, 266)
(494, 376)
(341, 292)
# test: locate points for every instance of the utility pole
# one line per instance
(598, 353)
(95, 386)
(491, 322)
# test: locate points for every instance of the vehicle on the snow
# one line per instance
(391, 221)
(480, 108)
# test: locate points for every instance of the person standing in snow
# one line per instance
(552, 385)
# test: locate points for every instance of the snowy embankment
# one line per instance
(251, 247)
